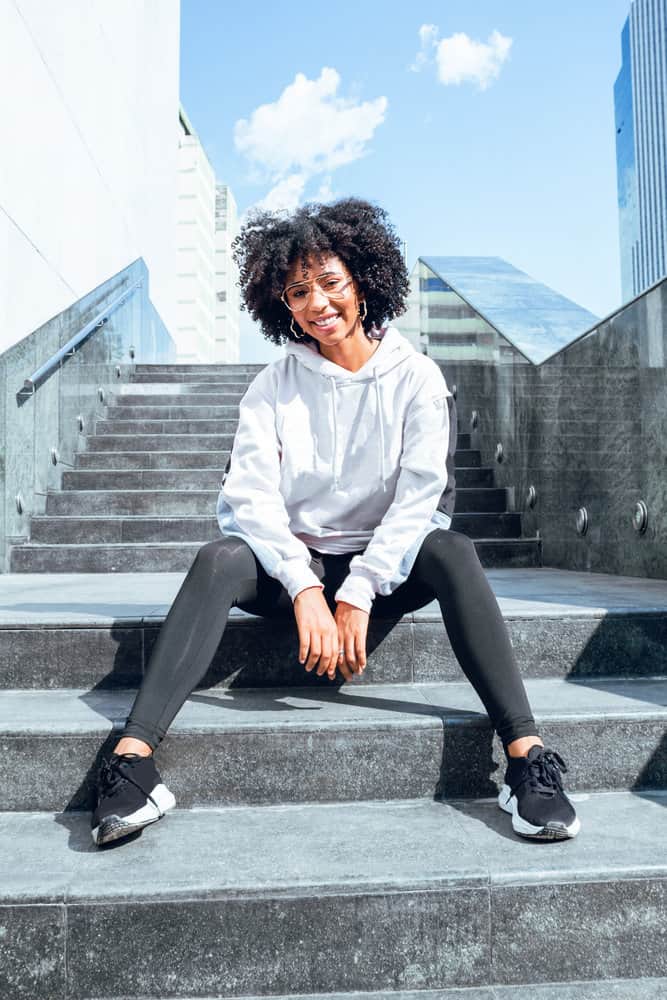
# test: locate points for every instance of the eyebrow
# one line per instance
(322, 275)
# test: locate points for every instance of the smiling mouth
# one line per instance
(326, 321)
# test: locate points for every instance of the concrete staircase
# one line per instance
(330, 841)
(142, 496)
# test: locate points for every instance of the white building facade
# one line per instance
(194, 331)
(89, 96)
(227, 315)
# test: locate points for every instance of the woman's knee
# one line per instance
(447, 548)
(228, 553)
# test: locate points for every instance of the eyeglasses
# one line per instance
(297, 296)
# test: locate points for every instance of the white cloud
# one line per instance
(285, 195)
(309, 130)
(428, 37)
(461, 59)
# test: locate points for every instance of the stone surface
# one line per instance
(230, 898)
(153, 557)
(618, 989)
(227, 745)
(32, 952)
(151, 459)
(586, 428)
(94, 629)
(382, 941)
(50, 657)
(600, 928)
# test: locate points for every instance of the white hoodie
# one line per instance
(340, 461)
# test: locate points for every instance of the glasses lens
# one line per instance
(334, 286)
(297, 297)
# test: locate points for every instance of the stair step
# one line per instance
(175, 557)
(610, 989)
(172, 460)
(171, 412)
(227, 746)
(84, 630)
(505, 553)
(100, 632)
(101, 530)
(179, 393)
(247, 899)
(223, 369)
(165, 479)
(475, 500)
(160, 442)
(151, 459)
(468, 457)
(192, 376)
(226, 425)
(148, 395)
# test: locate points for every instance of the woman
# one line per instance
(330, 510)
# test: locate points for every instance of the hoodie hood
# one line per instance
(393, 350)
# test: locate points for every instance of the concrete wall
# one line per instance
(587, 428)
(89, 102)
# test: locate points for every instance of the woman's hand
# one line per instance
(318, 632)
(352, 625)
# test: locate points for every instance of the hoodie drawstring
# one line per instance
(379, 409)
(334, 401)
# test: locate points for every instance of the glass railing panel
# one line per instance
(46, 420)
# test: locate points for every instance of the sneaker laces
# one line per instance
(543, 771)
(111, 778)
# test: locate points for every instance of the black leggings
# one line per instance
(226, 573)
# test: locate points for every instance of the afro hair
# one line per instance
(353, 229)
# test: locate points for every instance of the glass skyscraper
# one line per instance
(641, 146)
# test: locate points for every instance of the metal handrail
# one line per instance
(30, 384)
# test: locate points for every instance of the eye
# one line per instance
(297, 293)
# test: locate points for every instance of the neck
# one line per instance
(353, 351)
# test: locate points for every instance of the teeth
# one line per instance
(325, 322)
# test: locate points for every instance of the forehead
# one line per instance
(312, 265)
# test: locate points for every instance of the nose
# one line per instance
(317, 297)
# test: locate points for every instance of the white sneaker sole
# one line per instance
(552, 831)
(115, 827)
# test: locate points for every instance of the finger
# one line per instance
(337, 657)
(360, 644)
(326, 656)
(314, 655)
(344, 668)
(304, 644)
(350, 654)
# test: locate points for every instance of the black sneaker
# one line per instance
(130, 795)
(533, 794)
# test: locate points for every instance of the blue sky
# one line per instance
(498, 140)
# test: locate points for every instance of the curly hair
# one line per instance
(353, 229)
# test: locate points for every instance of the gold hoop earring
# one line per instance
(362, 318)
(299, 336)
